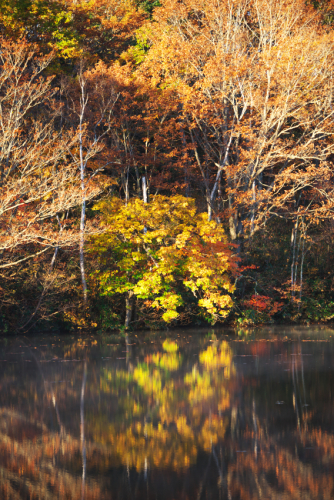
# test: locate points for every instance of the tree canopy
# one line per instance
(163, 251)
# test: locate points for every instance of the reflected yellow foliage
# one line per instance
(213, 429)
(224, 401)
(141, 446)
(170, 346)
(183, 428)
(218, 356)
(167, 419)
(168, 361)
(150, 382)
(201, 387)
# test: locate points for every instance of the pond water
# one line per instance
(198, 415)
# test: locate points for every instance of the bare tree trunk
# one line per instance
(144, 196)
(297, 261)
(233, 220)
(89, 140)
(301, 269)
(81, 250)
(128, 308)
(209, 209)
(220, 169)
(145, 190)
(186, 165)
(253, 209)
(83, 103)
(126, 187)
(293, 260)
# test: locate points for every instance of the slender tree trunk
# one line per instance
(253, 209)
(219, 172)
(202, 170)
(209, 210)
(293, 260)
(87, 149)
(186, 165)
(145, 199)
(233, 221)
(137, 179)
(81, 250)
(128, 308)
(83, 103)
(297, 262)
(301, 270)
(126, 187)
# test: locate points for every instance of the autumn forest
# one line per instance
(165, 163)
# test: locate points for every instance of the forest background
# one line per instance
(165, 163)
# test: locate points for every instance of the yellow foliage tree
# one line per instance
(166, 253)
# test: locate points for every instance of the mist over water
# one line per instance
(200, 414)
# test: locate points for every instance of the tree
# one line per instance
(91, 100)
(38, 182)
(99, 29)
(49, 24)
(255, 85)
(143, 136)
(106, 28)
(163, 252)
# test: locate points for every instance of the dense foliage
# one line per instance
(165, 162)
(164, 252)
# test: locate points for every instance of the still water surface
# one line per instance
(200, 415)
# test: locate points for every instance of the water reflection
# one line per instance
(195, 416)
